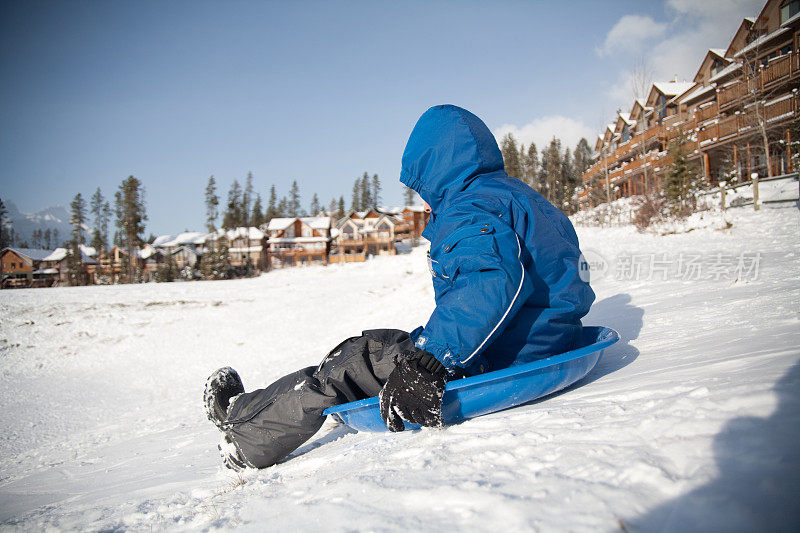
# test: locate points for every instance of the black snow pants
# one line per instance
(268, 424)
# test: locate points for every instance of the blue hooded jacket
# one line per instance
(504, 260)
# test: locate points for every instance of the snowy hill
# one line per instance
(690, 423)
(52, 218)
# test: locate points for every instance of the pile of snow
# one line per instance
(619, 212)
(690, 422)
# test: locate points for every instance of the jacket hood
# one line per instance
(447, 149)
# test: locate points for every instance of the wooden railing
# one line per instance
(728, 126)
(655, 131)
(707, 134)
(706, 113)
(776, 69)
(783, 107)
(731, 93)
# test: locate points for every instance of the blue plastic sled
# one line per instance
(501, 389)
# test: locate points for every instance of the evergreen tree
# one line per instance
(214, 262)
(366, 193)
(212, 201)
(332, 208)
(78, 218)
(294, 200)
(55, 238)
(47, 237)
(551, 167)
(356, 204)
(283, 207)
(77, 270)
(257, 216)
(531, 165)
(376, 190)
(233, 214)
(131, 216)
(101, 213)
(247, 200)
(408, 195)
(340, 212)
(510, 153)
(272, 206)
(315, 207)
(5, 235)
(222, 262)
(568, 183)
(582, 158)
(682, 178)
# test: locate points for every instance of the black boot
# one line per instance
(221, 386)
(231, 457)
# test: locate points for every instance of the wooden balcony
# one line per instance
(730, 94)
(728, 126)
(655, 131)
(709, 133)
(706, 113)
(777, 69)
(782, 108)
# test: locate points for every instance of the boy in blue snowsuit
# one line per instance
(506, 280)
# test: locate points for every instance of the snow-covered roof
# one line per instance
(313, 222)
(733, 67)
(250, 233)
(718, 52)
(696, 93)
(191, 237)
(395, 210)
(672, 88)
(35, 254)
(317, 222)
(181, 239)
(56, 255)
(761, 40)
(147, 251)
(626, 117)
(280, 223)
(60, 253)
(161, 239)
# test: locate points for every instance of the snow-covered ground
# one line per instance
(691, 422)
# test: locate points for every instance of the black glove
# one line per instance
(414, 392)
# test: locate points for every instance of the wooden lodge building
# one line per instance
(33, 267)
(298, 241)
(735, 115)
(365, 233)
(284, 242)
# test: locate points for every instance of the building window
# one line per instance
(789, 8)
(661, 105)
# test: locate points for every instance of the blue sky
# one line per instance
(173, 92)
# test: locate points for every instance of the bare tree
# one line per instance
(641, 81)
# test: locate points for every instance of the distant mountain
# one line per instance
(24, 224)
